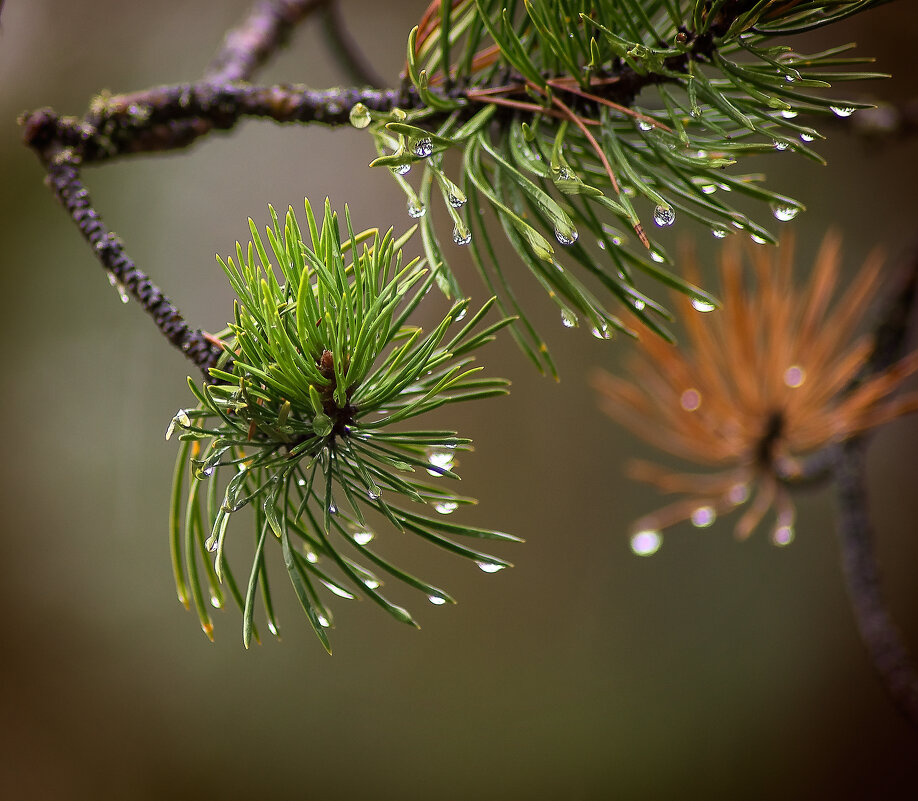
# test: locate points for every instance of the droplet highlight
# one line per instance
(567, 238)
(784, 213)
(646, 543)
(359, 115)
(794, 376)
(423, 148)
(461, 236)
(702, 305)
(782, 535)
(664, 216)
(704, 516)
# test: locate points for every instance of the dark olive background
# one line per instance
(713, 670)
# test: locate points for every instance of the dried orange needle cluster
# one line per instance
(758, 385)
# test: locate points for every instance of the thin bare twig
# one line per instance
(880, 635)
(258, 37)
(349, 56)
(65, 145)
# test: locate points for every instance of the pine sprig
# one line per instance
(581, 122)
(320, 364)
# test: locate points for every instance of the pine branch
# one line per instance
(64, 145)
(251, 44)
(880, 636)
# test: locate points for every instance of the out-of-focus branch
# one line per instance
(349, 56)
(248, 46)
(879, 633)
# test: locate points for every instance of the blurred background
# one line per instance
(714, 669)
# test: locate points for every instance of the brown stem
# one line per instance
(879, 634)
(259, 36)
(64, 180)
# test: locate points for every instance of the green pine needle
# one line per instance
(319, 365)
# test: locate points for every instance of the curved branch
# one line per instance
(346, 52)
(879, 634)
(266, 28)
(64, 180)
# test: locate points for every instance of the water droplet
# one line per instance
(718, 233)
(657, 256)
(790, 78)
(647, 542)
(842, 111)
(311, 556)
(702, 305)
(461, 236)
(788, 114)
(211, 544)
(323, 621)
(374, 492)
(461, 315)
(215, 602)
(272, 628)
(785, 213)
(759, 240)
(601, 332)
(489, 567)
(779, 145)
(446, 507)
(122, 292)
(564, 239)
(794, 376)
(804, 137)
(423, 148)
(372, 583)
(455, 201)
(644, 125)
(639, 304)
(602, 245)
(416, 209)
(359, 116)
(738, 493)
(362, 535)
(568, 318)
(690, 400)
(436, 600)
(708, 189)
(783, 535)
(181, 419)
(332, 509)
(339, 591)
(440, 458)
(703, 516)
(300, 482)
(208, 471)
(664, 216)
(402, 169)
